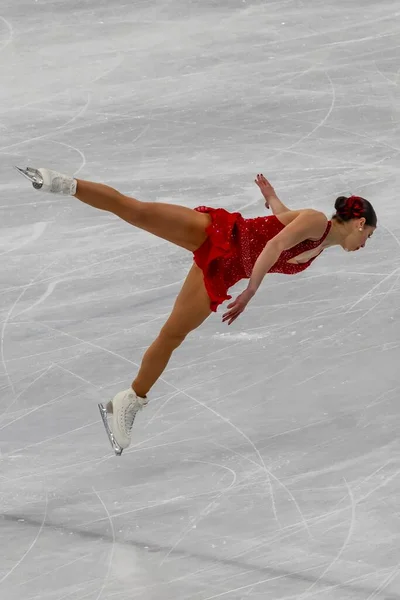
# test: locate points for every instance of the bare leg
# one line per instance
(191, 308)
(177, 224)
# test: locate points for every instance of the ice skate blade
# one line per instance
(114, 444)
(33, 175)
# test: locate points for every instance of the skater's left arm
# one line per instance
(308, 224)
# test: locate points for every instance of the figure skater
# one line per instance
(226, 248)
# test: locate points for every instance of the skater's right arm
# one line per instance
(271, 199)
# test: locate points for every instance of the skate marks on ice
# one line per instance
(267, 463)
(10, 33)
(210, 565)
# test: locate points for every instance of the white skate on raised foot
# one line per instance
(49, 181)
(123, 408)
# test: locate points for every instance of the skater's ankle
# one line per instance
(76, 190)
(139, 392)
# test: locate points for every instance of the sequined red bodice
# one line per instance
(255, 233)
(233, 246)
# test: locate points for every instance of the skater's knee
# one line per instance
(129, 209)
(171, 337)
(137, 211)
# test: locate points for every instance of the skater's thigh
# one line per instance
(180, 225)
(191, 308)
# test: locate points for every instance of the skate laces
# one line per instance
(131, 411)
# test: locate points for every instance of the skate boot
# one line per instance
(123, 409)
(50, 181)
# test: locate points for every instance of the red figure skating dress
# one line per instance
(233, 246)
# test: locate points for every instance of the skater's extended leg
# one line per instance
(180, 225)
(177, 224)
(191, 308)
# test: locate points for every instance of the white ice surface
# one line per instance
(267, 463)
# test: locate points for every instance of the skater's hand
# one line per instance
(266, 188)
(237, 306)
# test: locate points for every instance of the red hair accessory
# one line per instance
(356, 207)
(353, 208)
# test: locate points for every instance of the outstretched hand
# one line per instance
(237, 307)
(266, 188)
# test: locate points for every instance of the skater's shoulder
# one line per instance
(304, 215)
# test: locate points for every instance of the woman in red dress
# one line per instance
(226, 248)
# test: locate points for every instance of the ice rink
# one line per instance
(267, 463)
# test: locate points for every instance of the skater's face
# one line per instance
(357, 235)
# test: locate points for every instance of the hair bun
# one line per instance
(354, 207)
(349, 208)
(342, 208)
(340, 204)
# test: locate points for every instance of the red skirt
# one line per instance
(220, 255)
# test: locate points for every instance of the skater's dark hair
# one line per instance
(354, 207)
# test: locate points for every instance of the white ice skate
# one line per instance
(50, 181)
(123, 408)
